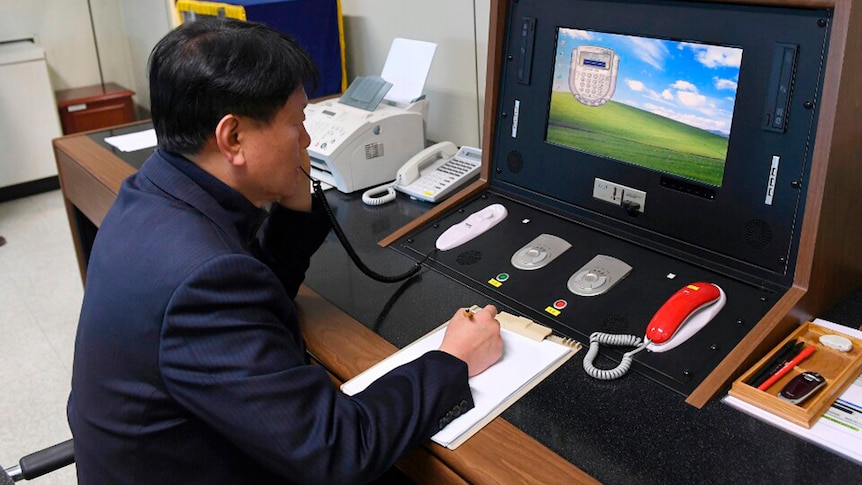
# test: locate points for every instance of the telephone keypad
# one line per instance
(434, 181)
(593, 85)
(443, 176)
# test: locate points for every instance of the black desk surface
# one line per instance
(631, 430)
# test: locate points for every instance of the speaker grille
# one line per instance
(373, 150)
(515, 161)
(757, 234)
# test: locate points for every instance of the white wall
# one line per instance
(127, 30)
(483, 19)
(146, 22)
(114, 47)
(452, 86)
(62, 28)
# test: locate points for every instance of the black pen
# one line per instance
(792, 352)
(772, 363)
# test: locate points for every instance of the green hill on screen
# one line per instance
(632, 135)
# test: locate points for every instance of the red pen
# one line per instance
(787, 367)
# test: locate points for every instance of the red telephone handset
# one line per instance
(679, 308)
(682, 315)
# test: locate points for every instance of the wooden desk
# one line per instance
(90, 177)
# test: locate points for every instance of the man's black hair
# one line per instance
(207, 68)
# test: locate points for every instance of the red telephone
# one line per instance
(681, 316)
(684, 314)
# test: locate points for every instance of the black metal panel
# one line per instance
(625, 309)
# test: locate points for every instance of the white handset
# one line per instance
(409, 172)
(431, 174)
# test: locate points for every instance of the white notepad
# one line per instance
(131, 142)
(530, 353)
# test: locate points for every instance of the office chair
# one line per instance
(39, 463)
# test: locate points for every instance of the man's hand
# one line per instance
(474, 339)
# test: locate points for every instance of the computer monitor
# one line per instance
(662, 104)
(685, 125)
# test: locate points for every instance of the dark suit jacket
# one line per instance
(189, 362)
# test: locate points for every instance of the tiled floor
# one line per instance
(40, 297)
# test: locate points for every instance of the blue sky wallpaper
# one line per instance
(689, 82)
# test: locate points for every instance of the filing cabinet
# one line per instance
(27, 118)
(94, 107)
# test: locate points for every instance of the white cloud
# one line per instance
(711, 124)
(635, 85)
(580, 34)
(654, 95)
(691, 99)
(716, 56)
(684, 86)
(667, 94)
(651, 51)
(724, 84)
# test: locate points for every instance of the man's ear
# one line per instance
(227, 139)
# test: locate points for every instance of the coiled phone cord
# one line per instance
(318, 192)
(380, 195)
(615, 340)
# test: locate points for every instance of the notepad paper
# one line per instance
(406, 67)
(525, 362)
(134, 141)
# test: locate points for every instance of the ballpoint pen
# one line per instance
(787, 367)
(775, 363)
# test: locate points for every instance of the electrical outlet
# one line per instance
(617, 194)
(634, 196)
(607, 191)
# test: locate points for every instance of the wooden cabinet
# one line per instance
(94, 107)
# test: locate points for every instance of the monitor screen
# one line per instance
(665, 105)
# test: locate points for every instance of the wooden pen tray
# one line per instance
(838, 368)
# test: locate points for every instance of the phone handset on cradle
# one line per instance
(679, 318)
(409, 172)
(430, 175)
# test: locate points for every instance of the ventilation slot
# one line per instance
(373, 150)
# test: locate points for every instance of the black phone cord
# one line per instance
(318, 192)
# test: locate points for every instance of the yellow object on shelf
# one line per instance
(189, 10)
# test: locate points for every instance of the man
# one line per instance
(189, 362)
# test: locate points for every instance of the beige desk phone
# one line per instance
(431, 175)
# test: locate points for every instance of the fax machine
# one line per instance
(353, 148)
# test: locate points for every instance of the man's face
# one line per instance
(273, 153)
